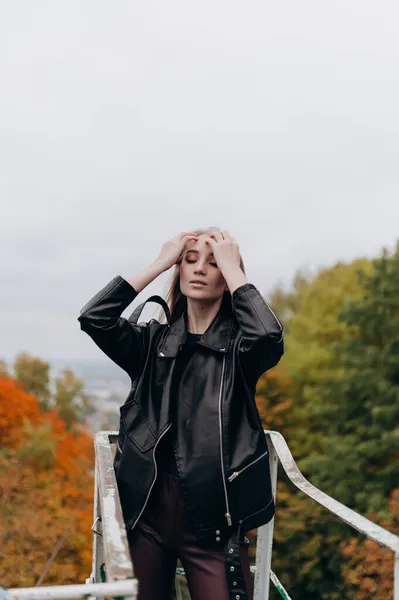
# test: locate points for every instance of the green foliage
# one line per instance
(38, 445)
(33, 374)
(285, 303)
(342, 354)
(69, 398)
(313, 329)
(4, 369)
(358, 411)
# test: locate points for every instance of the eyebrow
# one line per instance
(197, 252)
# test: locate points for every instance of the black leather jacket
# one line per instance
(222, 453)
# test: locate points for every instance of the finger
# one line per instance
(189, 238)
(226, 235)
(211, 242)
(187, 244)
(184, 233)
(216, 235)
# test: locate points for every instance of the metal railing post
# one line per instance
(264, 540)
(110, 540)
(98, 549)
(347, 515)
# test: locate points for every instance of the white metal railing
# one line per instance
(278, 449)
(112, 570)
(127, 588)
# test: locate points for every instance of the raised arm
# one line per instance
(261, 345)
(100, 318)
(122, 341)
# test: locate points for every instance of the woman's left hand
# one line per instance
(225, 250)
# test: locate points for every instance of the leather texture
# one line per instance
(222, 455)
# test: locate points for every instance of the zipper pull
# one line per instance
(233, 476)
(229, 521)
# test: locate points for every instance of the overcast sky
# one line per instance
(124, 123)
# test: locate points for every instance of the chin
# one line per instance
(195, 294)
(203, 295)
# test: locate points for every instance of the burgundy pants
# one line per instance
(164, 534)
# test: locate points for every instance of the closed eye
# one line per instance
(190, 260)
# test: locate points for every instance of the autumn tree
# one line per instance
(358, 408)
(4, 369)
(301, 525)
(46, 491)
(303, 528)
(69, 399)
(369, 567)
(34, 375)
(342, 356)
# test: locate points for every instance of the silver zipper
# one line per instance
(118, 446)
(237, 473)
(156, 473)
(227, 515)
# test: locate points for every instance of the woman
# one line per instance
(192, 465)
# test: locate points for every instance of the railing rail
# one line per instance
(112, 570)
(278, 450)
(127, 588)
(345, 514)
(111, 560)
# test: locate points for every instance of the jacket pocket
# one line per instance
(250, 488)
(236, 474)
(136, 426)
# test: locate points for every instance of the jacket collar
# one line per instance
(216, 337)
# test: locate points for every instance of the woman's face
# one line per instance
(198, 265)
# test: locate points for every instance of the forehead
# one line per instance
(199, 246)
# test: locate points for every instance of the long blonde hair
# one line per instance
(174, 298)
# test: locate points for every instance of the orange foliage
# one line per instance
(273, 399)
(39, 503)
(15, 405)
(370, 566)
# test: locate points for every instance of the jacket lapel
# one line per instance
(216, 337)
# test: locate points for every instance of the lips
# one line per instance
(198, 282)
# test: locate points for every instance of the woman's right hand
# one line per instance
(172, 250)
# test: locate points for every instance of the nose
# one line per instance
(200, 267)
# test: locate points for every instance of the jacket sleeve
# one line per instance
(261, 342)
(119, 339)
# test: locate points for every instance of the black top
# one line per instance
(166, 449)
